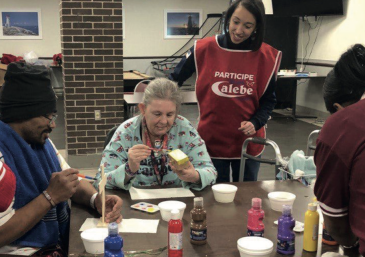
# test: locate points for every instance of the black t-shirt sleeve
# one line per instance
(266, 105)
(185, 69)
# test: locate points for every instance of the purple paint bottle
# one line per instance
(286, 236)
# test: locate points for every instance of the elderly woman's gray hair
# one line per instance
(162, 89)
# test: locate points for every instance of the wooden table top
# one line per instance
(226, 222)
(130, 75)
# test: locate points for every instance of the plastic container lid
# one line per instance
(175, 214)
(113, 228)
(256, 202)
(198, 201)
(287, 210)
(224, 188)
(312, 206)
(255, 245)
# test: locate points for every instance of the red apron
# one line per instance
(229, 86)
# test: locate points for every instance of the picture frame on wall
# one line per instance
(182, 23)
(20, 24)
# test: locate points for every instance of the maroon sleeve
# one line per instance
(332, 184)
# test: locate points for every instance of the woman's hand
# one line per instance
(136, 154)
(187, 174)
(247, 128)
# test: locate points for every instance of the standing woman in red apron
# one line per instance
(235, 87)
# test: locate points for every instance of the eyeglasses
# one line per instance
(51, 120)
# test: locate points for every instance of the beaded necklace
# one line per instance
(160, 149)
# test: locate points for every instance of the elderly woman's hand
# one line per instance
(136, 154)
(187, 174)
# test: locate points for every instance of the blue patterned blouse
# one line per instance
(182, 135)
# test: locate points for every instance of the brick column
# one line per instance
(92, 48)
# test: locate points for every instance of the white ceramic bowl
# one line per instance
(254, 246)
(224, 193)
(93, 239)
(167, 206)
(278, 199)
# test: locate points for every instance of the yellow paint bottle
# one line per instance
(311, 224)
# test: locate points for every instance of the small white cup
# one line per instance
(93, 240)
(278, 199)
(224, 193)
(167, 206)
(254, 246)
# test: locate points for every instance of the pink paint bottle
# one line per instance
(255, 226)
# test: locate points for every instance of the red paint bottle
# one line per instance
(255, 226)
(175, 229)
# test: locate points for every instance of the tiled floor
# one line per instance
(287, 134)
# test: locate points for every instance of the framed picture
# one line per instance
(20, 24)
(182, 23)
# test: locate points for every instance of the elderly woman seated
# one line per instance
(137, 152)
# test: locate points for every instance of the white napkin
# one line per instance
(137, 194)
(332, 254)
(299, 226)
(25, 251)
(127, 225)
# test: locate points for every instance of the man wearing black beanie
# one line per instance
(26, 93)
(39, 215)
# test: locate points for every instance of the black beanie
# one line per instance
(26, 93)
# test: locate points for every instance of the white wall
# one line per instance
(144, 28)
(144, 24)
(336, 35)
(51, 42)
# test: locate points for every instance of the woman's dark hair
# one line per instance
(346, 82)
(257, 9)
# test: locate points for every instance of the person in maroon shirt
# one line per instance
(340, 152)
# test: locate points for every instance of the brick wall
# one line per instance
(92, 48)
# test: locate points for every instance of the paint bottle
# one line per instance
(286, 236)
(175, 230)
(311, 222)
(255, 226)
(198, 225)
(113, 244)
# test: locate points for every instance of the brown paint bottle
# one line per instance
(198, 225)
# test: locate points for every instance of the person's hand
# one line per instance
(247, 128)
(63, 185)
(113, 207)
(187, 174)
(136, 154)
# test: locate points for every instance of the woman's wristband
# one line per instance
(129, 172)
(92, 200)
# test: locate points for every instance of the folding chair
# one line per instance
(109, 136)
(139, 88)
